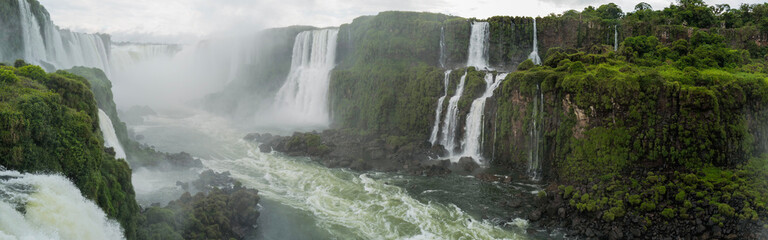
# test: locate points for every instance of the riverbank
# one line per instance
(344, 149)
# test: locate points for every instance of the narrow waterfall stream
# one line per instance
(534, 56)
(110, 137)
(536, 132)
(439, 109)
(450, 124)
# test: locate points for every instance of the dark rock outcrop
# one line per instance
(339, 149)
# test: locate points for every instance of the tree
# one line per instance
(610, 11)
(719, 9)
(642, 6)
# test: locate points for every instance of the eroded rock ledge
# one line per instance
(340, 149)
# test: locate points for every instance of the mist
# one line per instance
(429, 119)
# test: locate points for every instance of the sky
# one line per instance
(180, 21)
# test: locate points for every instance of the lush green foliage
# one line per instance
(218, 214)
(724, 197)
(649, 111)
(49, 123)
(386, 81)
(139, 155)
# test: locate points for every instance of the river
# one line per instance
(302, 199)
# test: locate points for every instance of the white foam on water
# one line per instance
(55, 209)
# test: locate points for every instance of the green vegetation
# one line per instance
(139, 155)
(689, 108)
(49, 123)
(219, 214)
(387, 81)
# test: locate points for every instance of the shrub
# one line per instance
(668, 213)
(7, 76)
(525, 65)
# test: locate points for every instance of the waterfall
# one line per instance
(125, 55)
(478, 46)
(48, 46)
(535, 53)
(34, 47)
(110, 137)
(304, 95)
(475, 119)
(615, 38)
(36, 206)
(442, 47)
(451, 117)
(537, 113)
(439, 109)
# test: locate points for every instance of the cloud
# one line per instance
(165, 20)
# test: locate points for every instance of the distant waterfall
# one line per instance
(615, 38)
(474, 127)
(439, 109)
(123, 56)
(60, 49)
(36, 206)
(442, 47)
(304, 95)
(478, 46)
(110, 137)
(537, 113)
(452, 117)
(534, 56)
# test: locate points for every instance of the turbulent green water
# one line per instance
(304, 200)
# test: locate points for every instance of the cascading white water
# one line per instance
(34, 47)
(304, 95)
(534, 160)
(442, 47)
(61, 49)
(534, 56)
(110, 137)
(439, 109)
(452, 117)
(615, 38)
(474, 127)
(53, 208)
(478, 46)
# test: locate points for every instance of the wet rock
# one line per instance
(561, 212)
(616, 233)
(341, 149)
(252, 136)
(700, 228)
(468, 164)
(265, 148)
(182, 160)
(717, 231)
(359, 166)
(488, 177)
(589, 232)
(535, 215)
(514, 203)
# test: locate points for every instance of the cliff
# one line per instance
(50, 124)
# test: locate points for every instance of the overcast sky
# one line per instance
(185, 20)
